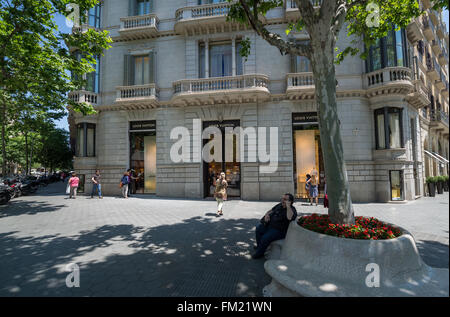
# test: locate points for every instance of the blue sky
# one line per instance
(61, 22)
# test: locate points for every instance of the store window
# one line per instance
(85, 145)
(389, 128)
(396, 183)
(389, 51)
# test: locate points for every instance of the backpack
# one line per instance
(124, 180)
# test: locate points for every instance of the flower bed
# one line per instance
(365, 228)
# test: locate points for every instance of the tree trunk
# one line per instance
(4, 138)
(31, 156)
(338, 190)
(26, 152)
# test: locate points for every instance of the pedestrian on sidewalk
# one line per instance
(220, 193)
(124, 184)
(96, 184)
(274, 224)
(307, 185)
(73, 183)
(325, 198)
(313, 187)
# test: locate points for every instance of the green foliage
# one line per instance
(431, 179)
(35, 66)
(440, 179)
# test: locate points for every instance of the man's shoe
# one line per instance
(256, 256)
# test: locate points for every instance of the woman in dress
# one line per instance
(220, 193)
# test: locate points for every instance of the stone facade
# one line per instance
(175, 42)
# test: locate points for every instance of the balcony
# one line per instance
(418, 98)
(221, 90)
(138, 27)
(428, 28)
(433, 69)
(390, 80)
(205, 19)
(436, 46)
(444, 92)
(434, 16)
(439, 120)
(292, 13)
(84, 96)
(440, 83)
(414, 31)
(443, 58)
(300, 86)
(136, 97)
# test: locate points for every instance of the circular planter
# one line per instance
(314, 264)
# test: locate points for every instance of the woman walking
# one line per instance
(220, 193)
(73, 183)
(307, 186)
(313, 190)
(124, 184)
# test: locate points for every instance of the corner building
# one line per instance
(174, 61)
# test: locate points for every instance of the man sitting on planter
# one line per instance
(274, 224)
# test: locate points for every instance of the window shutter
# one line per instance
(128, 74)
(151, 6)
(152, 67)
(293, 63)
(132, 8)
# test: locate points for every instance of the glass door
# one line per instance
(232, 168)
(143, 162)
(308, 159)
(396, 180)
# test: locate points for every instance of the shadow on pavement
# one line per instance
(197, 257)
(433, 253)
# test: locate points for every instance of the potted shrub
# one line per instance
(440, 184)
(446, 178)
(431, 184)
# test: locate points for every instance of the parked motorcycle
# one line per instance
(6, 194)
(15, 185)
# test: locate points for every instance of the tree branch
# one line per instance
(273, 38)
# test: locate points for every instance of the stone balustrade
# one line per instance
(136, 92)
(84, 96)
(221, 83)
(202, 11)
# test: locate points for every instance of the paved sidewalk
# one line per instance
(163, 247)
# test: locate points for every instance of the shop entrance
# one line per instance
(232, 169)
(143, 156)
(308, 158)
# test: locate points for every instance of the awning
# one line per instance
(437, 157)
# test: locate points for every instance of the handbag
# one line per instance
(68, 189)
(121, 184)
